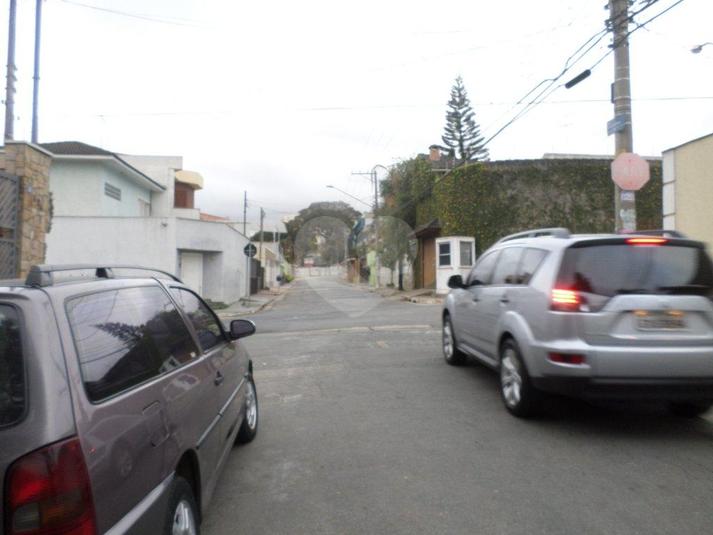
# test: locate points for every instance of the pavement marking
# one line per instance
(421, 328)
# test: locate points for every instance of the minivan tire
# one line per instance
(519, 396)
(248, 429)
(182, 516)
(688, 409)
(451, 353)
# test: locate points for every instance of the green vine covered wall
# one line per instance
(492, 199)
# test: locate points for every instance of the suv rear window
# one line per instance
(12, 370)
(614, 269)
(126, 337)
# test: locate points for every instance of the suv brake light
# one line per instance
(646, 241)
(48, 493)
(563, 300)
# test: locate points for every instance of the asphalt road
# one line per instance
(365, 429)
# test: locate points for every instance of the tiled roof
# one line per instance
(75, 148)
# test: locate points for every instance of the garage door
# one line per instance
(191, 268)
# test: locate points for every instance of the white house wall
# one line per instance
(224, 271)
(78, 190)
(162, 169)
(143, 241)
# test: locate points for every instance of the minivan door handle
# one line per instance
(219, 378)
(504, 300)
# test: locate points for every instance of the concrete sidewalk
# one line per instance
(421, 296)
(257, 303)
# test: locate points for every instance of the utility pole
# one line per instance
(10, 87)
(374, 178)
(36, 77)
(262, 218)
(247, 258)
(624, 201)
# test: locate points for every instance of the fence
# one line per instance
(9, 202)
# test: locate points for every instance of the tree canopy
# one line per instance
(322, 230)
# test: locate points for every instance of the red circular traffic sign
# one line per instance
(630, 171)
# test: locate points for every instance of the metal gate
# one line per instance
(9, 203)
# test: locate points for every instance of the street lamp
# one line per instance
(348, 195)
(699, 48)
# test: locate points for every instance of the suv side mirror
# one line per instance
(241, 329)
(455, 281)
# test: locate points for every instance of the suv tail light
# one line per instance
(48, 493)
(563, 300)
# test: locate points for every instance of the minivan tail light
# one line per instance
(646, 241)
(563, 300)
(48, 493)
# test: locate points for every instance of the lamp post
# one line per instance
(349, 195)
(699, 48)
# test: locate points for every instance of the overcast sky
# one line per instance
(281, 98)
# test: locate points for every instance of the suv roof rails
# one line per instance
(555, 232)
(43, 274)
(666, 233)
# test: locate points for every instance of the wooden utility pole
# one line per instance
(10, 87)
(624, 201)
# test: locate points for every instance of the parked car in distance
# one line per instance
(596, 316)
(121, 396)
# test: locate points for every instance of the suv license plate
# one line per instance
(661, 322)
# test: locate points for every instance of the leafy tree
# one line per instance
(462, 133)
(320, 229)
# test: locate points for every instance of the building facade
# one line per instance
(688, 189)
(140, 210)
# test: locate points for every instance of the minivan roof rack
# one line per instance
(555, 232)
(666, 233)
(43, 274)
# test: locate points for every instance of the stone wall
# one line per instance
(31, 164)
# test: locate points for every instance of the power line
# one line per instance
(172, 21)
(638, 27)
(545, 93)
(549, 90)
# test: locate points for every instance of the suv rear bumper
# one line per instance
(685, 389)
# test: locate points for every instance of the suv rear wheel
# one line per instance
(451, 354)
(521, 399)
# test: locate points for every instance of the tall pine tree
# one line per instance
(462, 133)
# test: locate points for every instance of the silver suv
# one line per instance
(599, 316)
(121, 395)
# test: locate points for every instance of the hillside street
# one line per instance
(365, 429)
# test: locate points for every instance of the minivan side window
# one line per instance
(530, 261)
(204, 321)
(12, 369)
(506, 269)
(483, 270)
(125, 337)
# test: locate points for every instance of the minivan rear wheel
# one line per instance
(521, 399)
(451, 354)
(182, 511)
(688, 409)
(248, 429)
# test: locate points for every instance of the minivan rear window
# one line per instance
(12, 369)
(615, 269)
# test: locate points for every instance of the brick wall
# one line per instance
(31, 164)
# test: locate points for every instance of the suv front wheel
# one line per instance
(521, 399)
